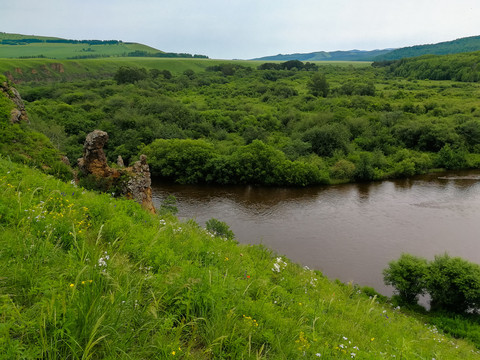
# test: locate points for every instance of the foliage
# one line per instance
(168, 206)
(128, 75)
(22, 144)
(369, 126)
(318, 85)
(458, 67)
(219, 228)
(407, 276)
(453, 284)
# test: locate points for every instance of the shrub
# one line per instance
(219, 228)
(168, 206)
(407, 275)
(453, 284)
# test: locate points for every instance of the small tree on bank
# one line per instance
(407, 276)
(452, 282)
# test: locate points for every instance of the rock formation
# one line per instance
(94, 160)
(19, 113)
(138, 186)
(134, 182)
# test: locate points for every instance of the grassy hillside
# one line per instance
(19, 143)
(25, 46)
(462, 45)
(38, 70)
(88, 276)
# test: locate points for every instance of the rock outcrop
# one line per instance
(94, 160)
(138, 186)
(133, 182)
(18, 113)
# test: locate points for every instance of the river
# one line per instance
(349, 232)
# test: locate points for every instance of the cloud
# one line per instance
(246, 29)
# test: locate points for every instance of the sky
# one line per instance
(245, 29)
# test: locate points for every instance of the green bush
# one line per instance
(407, 275)
(453, 284)
(219, 228)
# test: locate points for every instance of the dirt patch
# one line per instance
(57, 67)
(19, 71)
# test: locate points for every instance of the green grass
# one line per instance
(84, 275)
(21, 144)
(65, 50)
(26, 70)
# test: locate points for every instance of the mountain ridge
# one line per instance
(460, 45)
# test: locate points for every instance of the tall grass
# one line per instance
(87, 276)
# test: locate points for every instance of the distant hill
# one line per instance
(31, 46)
(352, 55)
(462, 45)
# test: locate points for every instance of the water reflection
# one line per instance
(348, 231)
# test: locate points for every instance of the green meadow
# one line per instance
(24, 46)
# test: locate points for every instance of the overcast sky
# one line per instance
(245, 29)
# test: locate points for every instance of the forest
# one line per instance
(290, 124)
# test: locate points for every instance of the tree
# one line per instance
(328, 138)
(454, 284)
(407, 276)
(129, 75)
(318, 85)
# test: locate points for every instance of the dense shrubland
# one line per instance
(311, 127)
(86, 276)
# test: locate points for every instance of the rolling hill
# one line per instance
(352, 55)
(32, 46)
(462, 45)
(25, 46)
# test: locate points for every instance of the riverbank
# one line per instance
(84, 274)
(364, 225)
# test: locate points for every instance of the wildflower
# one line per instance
(318, 355)
(279, 265)
(372, 339)
(226, 258)
(72, 285)
(173, 352)
(353, 355)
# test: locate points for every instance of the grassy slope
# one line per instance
(84, 275)
(23, 145)
(170, 289)
(63, 51)
(49, 70)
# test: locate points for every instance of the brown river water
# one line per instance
(349, 232)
